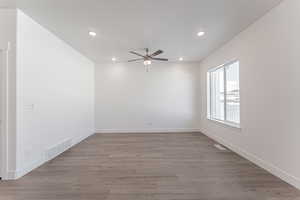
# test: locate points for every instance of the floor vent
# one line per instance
(220, 147)
(58, 149)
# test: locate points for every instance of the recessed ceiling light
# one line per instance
(180, 59)
(92, 33)
(113, 59)
(201, 33)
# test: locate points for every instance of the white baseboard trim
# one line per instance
(13, 175)
(35, 164)
(162, 130)
(276, 171)
(77, 140)
(10, 175)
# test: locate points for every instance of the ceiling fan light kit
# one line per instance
(147, 62)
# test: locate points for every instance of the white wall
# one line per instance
(130, 99)
(55, 93)
(268, 52)
(8, 35)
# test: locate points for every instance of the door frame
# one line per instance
(4, 50)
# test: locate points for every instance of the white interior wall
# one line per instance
(55, 94)
(128, 99)
(268, 52)
(8, 35)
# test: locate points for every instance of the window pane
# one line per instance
(217, 94)
(233, 93)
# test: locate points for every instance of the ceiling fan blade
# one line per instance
(136, 54)
(157, 53)
(160, 59)
(133, 60)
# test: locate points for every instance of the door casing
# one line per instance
(4, 52)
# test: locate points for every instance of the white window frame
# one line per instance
(209, 89)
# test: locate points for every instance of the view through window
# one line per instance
(224, 94)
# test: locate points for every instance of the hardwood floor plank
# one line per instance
(132, 166)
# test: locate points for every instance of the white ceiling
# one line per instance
(123, 25)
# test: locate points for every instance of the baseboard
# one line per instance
(162, 130)
(79, 139)
(12, 175)
(35, 164)
(276, 171)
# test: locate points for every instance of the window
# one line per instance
(224, 94)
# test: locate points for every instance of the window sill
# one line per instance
(229, 124)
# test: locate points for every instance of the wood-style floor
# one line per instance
(179, 166)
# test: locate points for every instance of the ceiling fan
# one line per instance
(148, 57)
